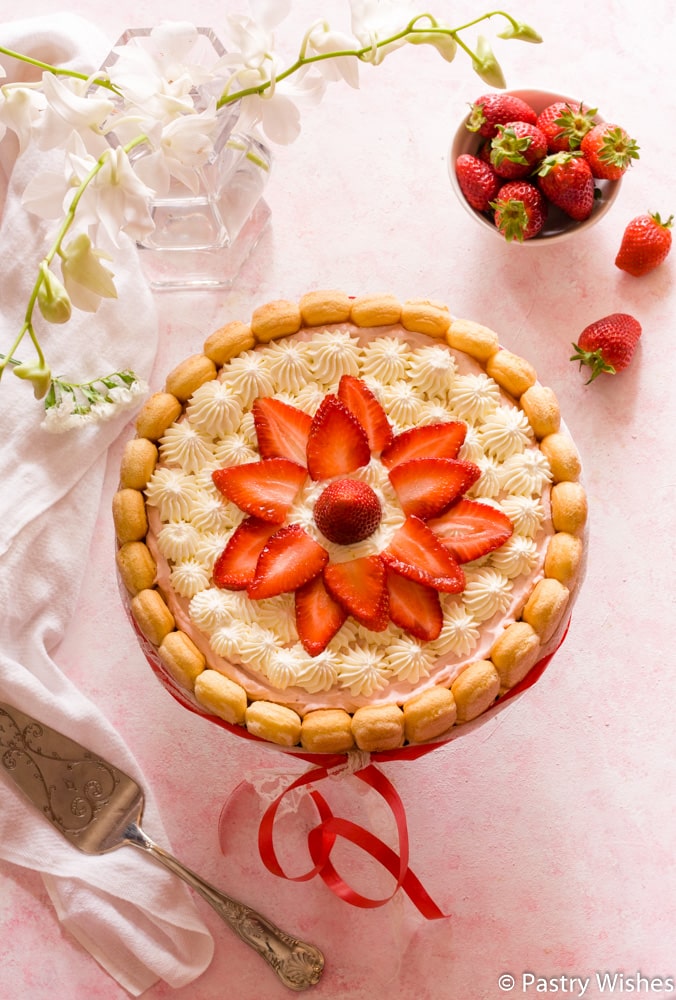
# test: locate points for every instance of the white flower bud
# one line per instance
(53, 298)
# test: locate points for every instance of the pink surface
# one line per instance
(548, 835)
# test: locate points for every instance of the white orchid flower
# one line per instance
(160, 65)
(69, 107)
(20, 110)
(86, 279)
(375, 20)
(323, 40)
(115, 197)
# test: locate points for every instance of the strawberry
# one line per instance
(416, 553)
(478, 181)
(426, 486)
(366, 409)
(646, 242)
(516, 149)
(609, 150)
(470, 529)
(347, 511)
(608, 344)
(566, 179)
(265, 490)
(337, 443)
(282, 430)
(414, 607)
(288, 559)
(359, 586)
(565, 125)
(492, 110)
(441, 440)
(318, 616)
(520, 211)
(235, 568)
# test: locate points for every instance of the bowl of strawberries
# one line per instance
(533, 166)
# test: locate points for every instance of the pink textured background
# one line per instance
(548, 835)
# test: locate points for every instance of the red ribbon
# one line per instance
(322, 837)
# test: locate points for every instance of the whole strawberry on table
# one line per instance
(557, 155)
(607, 345)
(646, 243)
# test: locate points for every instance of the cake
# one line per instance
(350, 523)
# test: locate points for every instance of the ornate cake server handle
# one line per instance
(298, 965)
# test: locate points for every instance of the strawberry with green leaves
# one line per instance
(520, 211)
(516, 149)
(565, 125)
(608, 344)
(646, 243)
(566, 179)
(492, 110)
(609, 150)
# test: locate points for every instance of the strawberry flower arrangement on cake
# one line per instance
(153, 117)
(431, 533)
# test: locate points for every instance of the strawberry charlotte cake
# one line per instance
(350, 523)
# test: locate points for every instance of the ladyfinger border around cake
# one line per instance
(438, 713)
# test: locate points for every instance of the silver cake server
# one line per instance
(98, 808)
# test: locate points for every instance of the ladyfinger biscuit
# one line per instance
(563, 457)
(221, 696)
(478, 341)
(327, 730)
(274, 723)
(152, 615)
(512, 373)
(228, 341)
(182, 658)
(545, 607)
(129, 515)
(136, 566)
(189, 376)
(378, 727)
(275, 319)
(429, 714)
(475, 689)
(422, 316)
(375, 310)
(515, 652)
(569, 507)
(322, 307)
(541, 406)
(157, 413)
(563, 557)
(138, 463)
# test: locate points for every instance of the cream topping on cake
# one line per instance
(256, 642)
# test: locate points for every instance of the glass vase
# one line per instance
(202, 238)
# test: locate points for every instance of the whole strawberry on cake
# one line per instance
(350, 523)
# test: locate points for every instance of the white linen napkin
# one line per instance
(137, 920)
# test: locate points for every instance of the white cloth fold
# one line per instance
(137, 920)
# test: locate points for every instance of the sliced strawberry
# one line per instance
(426, 486)
(282, 430)
(289, 559)
(441, 440)
(414, 607)
(236, 566)
(363, 405)
(318, 616)
(416, 553)
(337, 444)
(469, 529)
(265, 490)
(360, 587)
